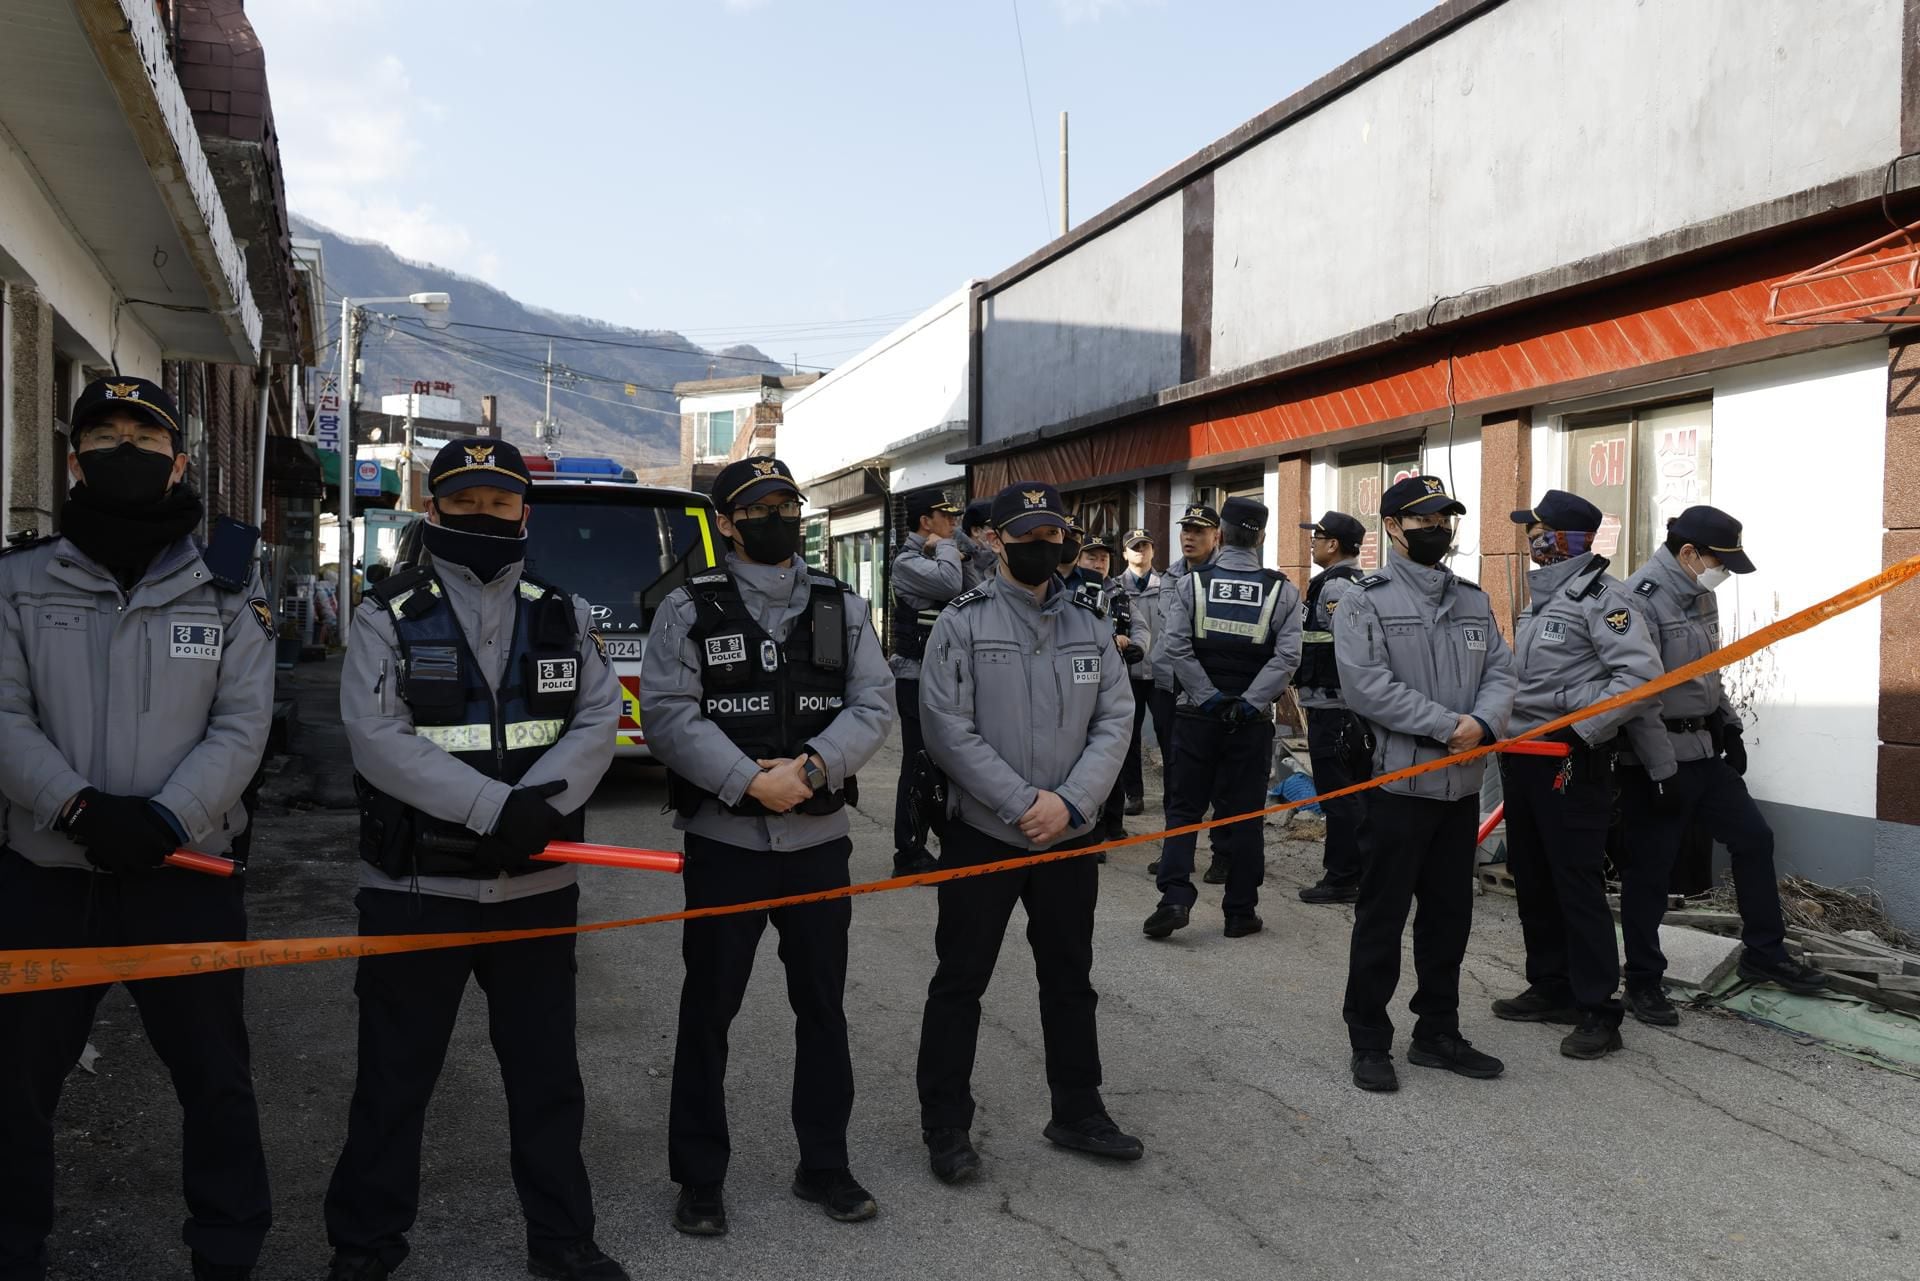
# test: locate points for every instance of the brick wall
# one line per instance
(1899, 782)
(1506, 485)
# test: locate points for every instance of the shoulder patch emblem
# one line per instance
(1647, 588)
(263, 615)
(599, 642)
(1618, 621)
(967, 598)
(1372, 581)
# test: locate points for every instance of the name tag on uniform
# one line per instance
(722, 650)
(194, 640)
(556, 676)
(1222, 592)
(1476, 637)
(1713, 632)
(1553, 632)
(1086, 671)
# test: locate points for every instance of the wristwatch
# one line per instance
(810, 769)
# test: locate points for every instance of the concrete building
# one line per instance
(873, 435)
(1525, 244)
(722, 419)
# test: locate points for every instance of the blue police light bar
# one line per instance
(606, 467)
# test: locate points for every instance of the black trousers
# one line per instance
(974, 911)
(1132, 774)
(1411, 847)
(1558, 811)
(1715, 798)
(1224, 767)
(408, 1004)
(719, 958)
(1333, 748)
(906, 845)
(196, 1025)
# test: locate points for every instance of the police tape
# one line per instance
(52, 969)
(556, 852)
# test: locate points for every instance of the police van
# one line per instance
(620, 545)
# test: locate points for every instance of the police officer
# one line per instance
(979, 560)
(1688, 770)
(1199, 542)
(927, 572)
(1141, 583)
(136, 689)
(481, 713)
(1027, 712)
(764, 691)
(1336, 740)
(1421, 661)
(1578, 643)
(1233, 639)
(1093, 575)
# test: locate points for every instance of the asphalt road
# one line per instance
(1718, 1150)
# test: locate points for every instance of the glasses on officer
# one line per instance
(760, 511)
(120, 429)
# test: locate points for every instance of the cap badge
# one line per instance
(1034, 497)
(1197, 512)
(479, 455)
(123, 391)
(1432, 483)
(1618, 620)
(763, 467)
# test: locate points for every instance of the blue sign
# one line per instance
(366, 478)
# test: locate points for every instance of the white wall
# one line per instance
(913, 380)
(1460, 468)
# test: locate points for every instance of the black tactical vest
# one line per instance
(1233, 623)
(1317, 669)
(769, 697)
(500, 735)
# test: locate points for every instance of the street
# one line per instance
(1719, 1150)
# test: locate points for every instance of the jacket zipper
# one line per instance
(146, 666)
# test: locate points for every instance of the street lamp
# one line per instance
(435, 304)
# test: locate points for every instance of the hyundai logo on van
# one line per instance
(601, 613)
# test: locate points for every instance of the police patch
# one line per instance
(1086, 671)
(1553, 632)
(556, 676)
(194, 640)
(599, 642)
(1618, 621)
(262, 614)
(723, 650)
(1647, 588)
(769, 656)
(1476, 637)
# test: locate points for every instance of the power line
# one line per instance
(539, 382)
(1033, 125)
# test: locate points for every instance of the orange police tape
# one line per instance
(47, 969)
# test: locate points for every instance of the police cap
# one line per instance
(979, 512)
(1027, 505)
(145, 400)
(471, 460)
(929, 505)
(752, 480)
(1244, 511)
(1420, 496)
(1557, 509)
(1200, 516)
(1349, 531)
(1714, 532)
(1135, 537)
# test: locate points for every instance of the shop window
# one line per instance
(1103, 511)
(814, 534)
(1361, 476)
(1640, 467)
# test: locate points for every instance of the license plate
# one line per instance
(627, 648)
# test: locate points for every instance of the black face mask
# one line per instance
(484, 544)
(1069, 551)
(125, 477)
(769, 540)
(1032, 563)
(1427, 546)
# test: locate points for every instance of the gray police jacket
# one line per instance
(978, 562)
(423, 774)
(1176, 610)
(164, 692)
(1171, 583)
(1144, 600)
(1686, 619)
(1018, 697)
(697, 750)
(1417, 650)
(1578, 643)
(922, 580)
(1320, 627)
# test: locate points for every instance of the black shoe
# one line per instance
(700, 1211)
(348, 1265)
(1101, 857)
(1792, 975)
(577, 1261)
(837, 1192)
(1153, 868)
(914, 862)
(1135, 805)
(950, 1153)
(1595, 1038)
(1534, 1006)
(1650, 1005)
(1455, 1054)
(1331, 892)
(204, 1269)
(1238, 927)
(1216, 871)
(1166, 918)
(1373, 1070)
(1098, 1135)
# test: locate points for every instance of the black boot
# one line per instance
(1331, 892)
(205, 1269)
(700, 1210)
(576, 1261)
(1455, 1054)
(1166, 918)
(1790, 974)
(1650, 1005)
(1535, 1006)
(1373, 1071)
(837, 1192)
(1216, 871)
(350, 1265)
(1098, 1135)
(1597, 1036)
(951, 1154)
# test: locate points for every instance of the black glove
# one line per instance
(1666, 795)
(1241, 712)
(120, 833)
(525, 825)
(1734, 748)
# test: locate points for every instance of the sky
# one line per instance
(799, 174)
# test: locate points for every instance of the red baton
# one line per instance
(1536, 747)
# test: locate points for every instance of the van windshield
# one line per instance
(622, 551)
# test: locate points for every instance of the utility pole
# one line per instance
(546, 419)
(1064, 223)
(349, 454)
